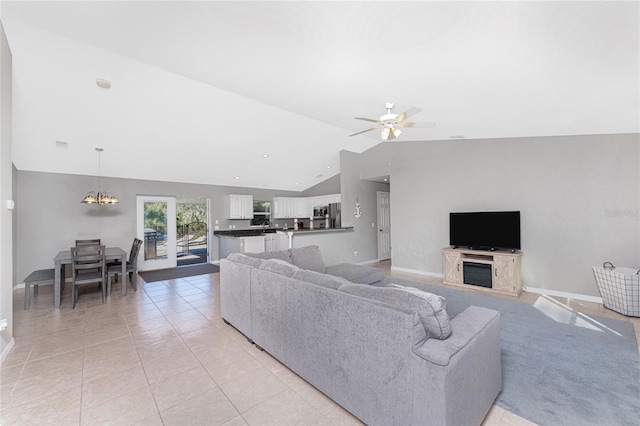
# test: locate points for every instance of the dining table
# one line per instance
(64, 258)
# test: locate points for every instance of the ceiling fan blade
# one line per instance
(364, 131)
(420, 125)
(408, 113)
(368, 119)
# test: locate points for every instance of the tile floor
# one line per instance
(162, 355)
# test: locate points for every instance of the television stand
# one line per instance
(496, 271)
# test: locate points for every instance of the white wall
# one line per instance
(6, 193)
(578, 196)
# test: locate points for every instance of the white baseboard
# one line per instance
(528, 289)
(556, 293)
(417, 272)
(6, 350)
(215, 262)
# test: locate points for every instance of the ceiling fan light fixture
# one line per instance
(390, 122)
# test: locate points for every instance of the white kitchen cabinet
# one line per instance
(271, 242)
(253, 244)
(333, 198)
(283, 208)
(238, 206)
(300, 208)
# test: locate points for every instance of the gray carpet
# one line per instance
(179, 272)
(559, 367)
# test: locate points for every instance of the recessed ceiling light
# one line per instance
(103, 83)
(297, 183)
(386, 180)
(236, 177)
(265, 155)
(328, 167)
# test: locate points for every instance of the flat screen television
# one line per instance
(485, 230)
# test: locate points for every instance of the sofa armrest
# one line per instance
(466, 367)
(465, 327)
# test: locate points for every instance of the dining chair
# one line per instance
(92, 242)
(115, 269)
(88, 267)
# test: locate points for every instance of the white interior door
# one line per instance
(156, 227)
(384, 226)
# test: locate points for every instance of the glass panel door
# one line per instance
(192, 229)
(156, 219)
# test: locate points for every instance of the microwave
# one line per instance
(320, 211)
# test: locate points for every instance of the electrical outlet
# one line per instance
(4, 324)
(355, 253)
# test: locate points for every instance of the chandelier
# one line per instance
(99, 197)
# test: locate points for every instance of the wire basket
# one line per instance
(619, 288)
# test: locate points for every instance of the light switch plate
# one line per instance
(11, 204)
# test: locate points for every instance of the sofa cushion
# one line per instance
(279, 266)
(431, 308)
(244, 259)
(323, 280)
(277, 254)
(358, 274)
(309, 258)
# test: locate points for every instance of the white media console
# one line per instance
(496, 271)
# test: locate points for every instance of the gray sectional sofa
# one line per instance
(388, 354)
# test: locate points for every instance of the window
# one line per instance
(261, 213)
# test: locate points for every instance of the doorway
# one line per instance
(192, 219)
(384, 225)
(154, 216)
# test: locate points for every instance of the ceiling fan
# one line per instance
(390, 123)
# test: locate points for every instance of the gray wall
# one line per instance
(353, 188)
(341, 247)
(328, 186)
(579, 199)
(51, 217)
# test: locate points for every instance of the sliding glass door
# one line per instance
(156, 218)
(192, 230)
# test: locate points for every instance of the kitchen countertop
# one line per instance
(256, 232)
(314, 230)
(248, 232)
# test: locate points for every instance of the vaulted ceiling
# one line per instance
(200, 91)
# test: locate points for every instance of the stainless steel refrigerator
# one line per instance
(335, 220)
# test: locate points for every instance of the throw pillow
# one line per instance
(278, 254)
(279, 266)
(245, 260)
(317, 278)
(431, 308)
(309, 258)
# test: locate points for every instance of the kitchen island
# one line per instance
(258, 240)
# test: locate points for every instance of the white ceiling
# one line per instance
(200, 90)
